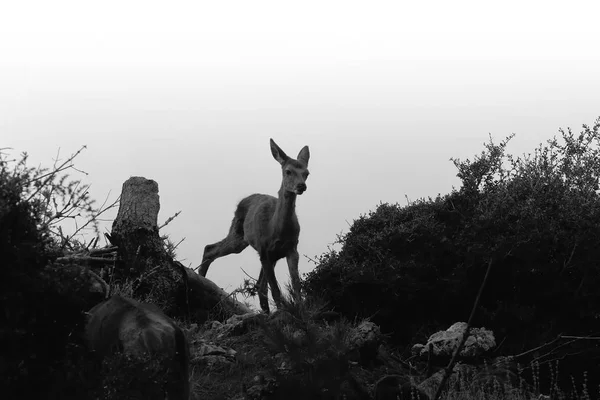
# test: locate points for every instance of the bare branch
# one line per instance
(448, 369)
(169, 220)
(52, 173)
(78, 258)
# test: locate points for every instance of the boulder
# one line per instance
(444, 343)
(364, 342)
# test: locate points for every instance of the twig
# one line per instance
(578, 337)
(448, 369)
(114, 204)
(248, 275)
(169, 220)
(538, 348)
(50, 174)
(310, 259)
(178, 243)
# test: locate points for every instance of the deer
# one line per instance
(269, 224)
(121, 324)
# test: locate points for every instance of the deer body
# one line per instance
(122, 324)
(270, 225)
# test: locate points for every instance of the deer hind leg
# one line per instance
(292, 262)
(233, 243)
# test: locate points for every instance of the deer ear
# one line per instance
(278, 154)
(304, 155)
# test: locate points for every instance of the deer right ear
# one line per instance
(278, 154)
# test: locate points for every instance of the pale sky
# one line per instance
(383, 93)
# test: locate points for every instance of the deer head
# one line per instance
(294, 172)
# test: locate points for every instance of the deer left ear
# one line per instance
(278, 154)
(304, 155)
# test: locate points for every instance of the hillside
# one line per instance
(402, 274)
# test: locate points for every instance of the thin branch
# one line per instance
(169, 220)
(448, 369)
(310, 259)
(245, 273)
(579, 337)
(52, 173)
(100, 212)
(178, 243)
(538, 348)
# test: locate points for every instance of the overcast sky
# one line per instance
(189, 93)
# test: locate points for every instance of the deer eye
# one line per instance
(288, 172)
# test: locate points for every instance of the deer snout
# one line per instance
(300, 188)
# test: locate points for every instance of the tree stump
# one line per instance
(141, 253)
(156, 277)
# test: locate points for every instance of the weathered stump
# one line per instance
(143, 259)
(141, 253)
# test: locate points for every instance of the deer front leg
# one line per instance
(268, 268)
(262, 291)
(292, 261)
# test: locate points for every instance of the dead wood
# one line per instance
(143, 259)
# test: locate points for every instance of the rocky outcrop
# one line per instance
(444, 343)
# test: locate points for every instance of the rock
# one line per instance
(210, 354)
(239, 324)
(364, 342)
(444, 343)
(417, 349)
(460, 373)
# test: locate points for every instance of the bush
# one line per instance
(417, 269)
(41, 304)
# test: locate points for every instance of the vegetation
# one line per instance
(417, 269)
(42, 302)
(412, 270)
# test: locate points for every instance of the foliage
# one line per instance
(42, 302)
(126, 377)
(416, 269)
(316, 354)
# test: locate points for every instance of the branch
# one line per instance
(100, 212)
(51, 174)
(579, 337)
(448, 369)
(71, 259)
(169, 220)
(538, 348)
(248, 275)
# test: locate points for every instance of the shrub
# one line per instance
(417, 268)
(41, 304)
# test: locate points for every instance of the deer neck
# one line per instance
(284, 211)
